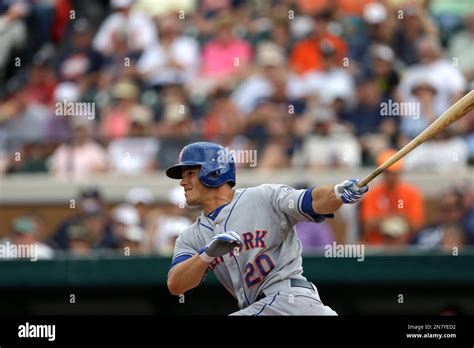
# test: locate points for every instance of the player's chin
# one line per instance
(190, 201)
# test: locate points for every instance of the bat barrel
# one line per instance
(454, 113)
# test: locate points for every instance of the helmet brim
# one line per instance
(176, 171)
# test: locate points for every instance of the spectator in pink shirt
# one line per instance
(116, 119)
(80, 157)
(225, 58)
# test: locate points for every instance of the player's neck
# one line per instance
(216, 200)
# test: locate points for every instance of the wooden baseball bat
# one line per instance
(454, 113)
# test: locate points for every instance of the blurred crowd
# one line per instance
(120, 86)
(135, 226)
(391, 215)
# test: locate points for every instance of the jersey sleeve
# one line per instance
(184, 247)
(293, 205)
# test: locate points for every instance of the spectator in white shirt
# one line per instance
(175, 59)
(139, 27)
(447, 79)
(332, 82)
(445, 153)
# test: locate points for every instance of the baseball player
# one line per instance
(246, 237)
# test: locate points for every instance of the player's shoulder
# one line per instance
(189, 230)
(267, 189)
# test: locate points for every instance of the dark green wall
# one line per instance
(428, 282)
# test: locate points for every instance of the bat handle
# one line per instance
(370, 177)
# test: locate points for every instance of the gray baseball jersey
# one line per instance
(270, 256)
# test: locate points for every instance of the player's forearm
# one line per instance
(186, 275)
(325, 200)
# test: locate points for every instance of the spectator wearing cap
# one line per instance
(79, 158)
(448, 80)
(137, 153)
(91, 214)
(447, 230)
(392, 210)
(174, 60)
(304, 57)
(326, 142)
(138, 27)
(25, 231)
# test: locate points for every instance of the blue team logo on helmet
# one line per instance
(217, 164)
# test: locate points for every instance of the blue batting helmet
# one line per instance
(217, 164)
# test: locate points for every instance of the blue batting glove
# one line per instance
(348, 191)
(221, 244)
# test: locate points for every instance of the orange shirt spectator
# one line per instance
(354, 8)
(306, 55)
(392, 210)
